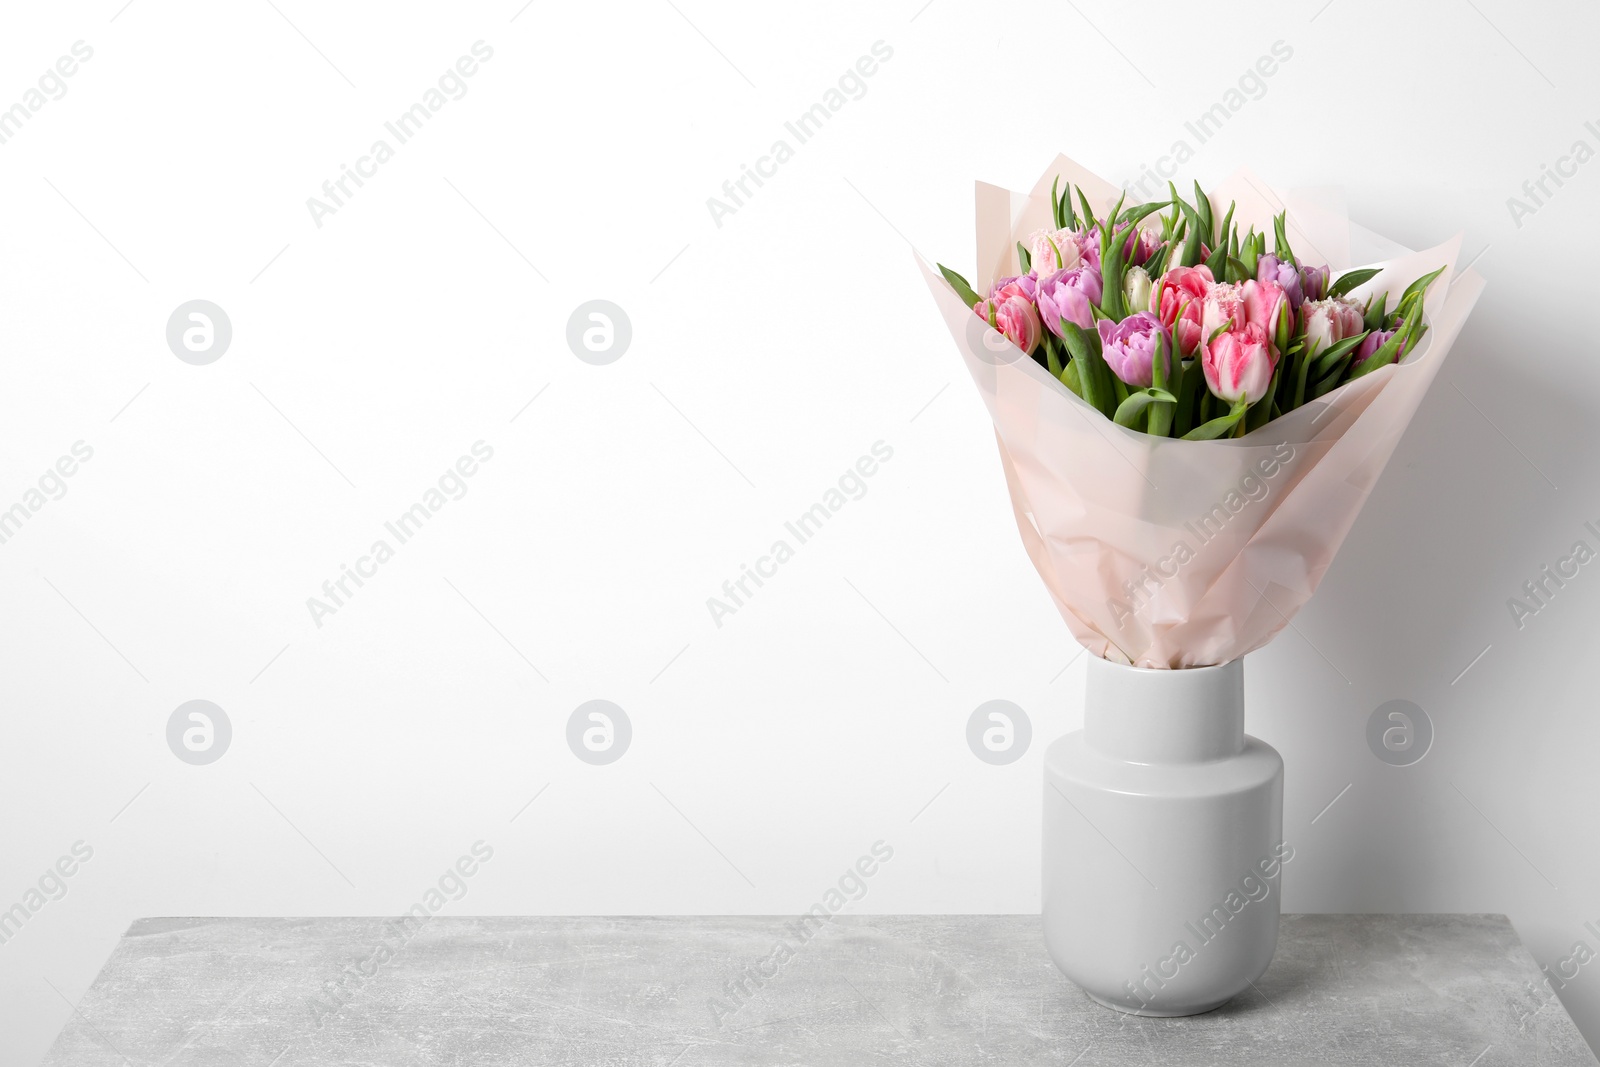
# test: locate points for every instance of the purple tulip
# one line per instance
(1314, 282)
(1068, 294)
(1370, 344)
(1130, 346)
(1269, 268)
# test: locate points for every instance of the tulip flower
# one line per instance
(1238, 363)
(1236, 306)
(1053, 250)
(1327, 322)
(1015, 317)
(1314, 282)
(1370, 344)
(1069, 294)
(1025, 286)
(1269, 268)
(1177, 300)
(1136, 288)
(1089, 247)
(1130, 347)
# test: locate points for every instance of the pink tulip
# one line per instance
(1223, 307)
(1014, 317)
(1053, 250)
(1021, 285)
(1264, 302)
(1238, 363)
(1236, 306)
(1177, 301)
(1327, 322)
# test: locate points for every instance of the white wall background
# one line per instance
(768, 354)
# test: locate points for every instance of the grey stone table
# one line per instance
(688, 992)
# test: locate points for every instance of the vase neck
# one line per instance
(1164, 716)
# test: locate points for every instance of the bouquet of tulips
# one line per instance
(1176, 325)
(1190, 423)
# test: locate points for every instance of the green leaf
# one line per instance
(959, 284)
(1210, 431)
(1110, 224)
(1069, 378)
(1052, 358)
(1227, 232)
(1326, 385)
(1156, 264)
(1093, 373)
(1331, 356)
(1280, 239)
(1069, 214)
(1218, 262)
(1202, 207)
(1111, 264)
(1237, 271)
(1375, 314)
(1160, 420)
(1189, 253)
(1136, 215)
(1024, 258)
(1190, 382)
(1420, 286)
(1055, 202)
(1350, 279)
(1088, 212)
(1051, 241)
(1335, 373)
(1391, 348)
(1158, 361)
(1139, 399)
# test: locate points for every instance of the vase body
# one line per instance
(1163, 841)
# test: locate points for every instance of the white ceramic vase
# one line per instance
(1163, 841)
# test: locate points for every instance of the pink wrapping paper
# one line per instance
(1167, 553)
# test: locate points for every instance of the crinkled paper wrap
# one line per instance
(1168, 553)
